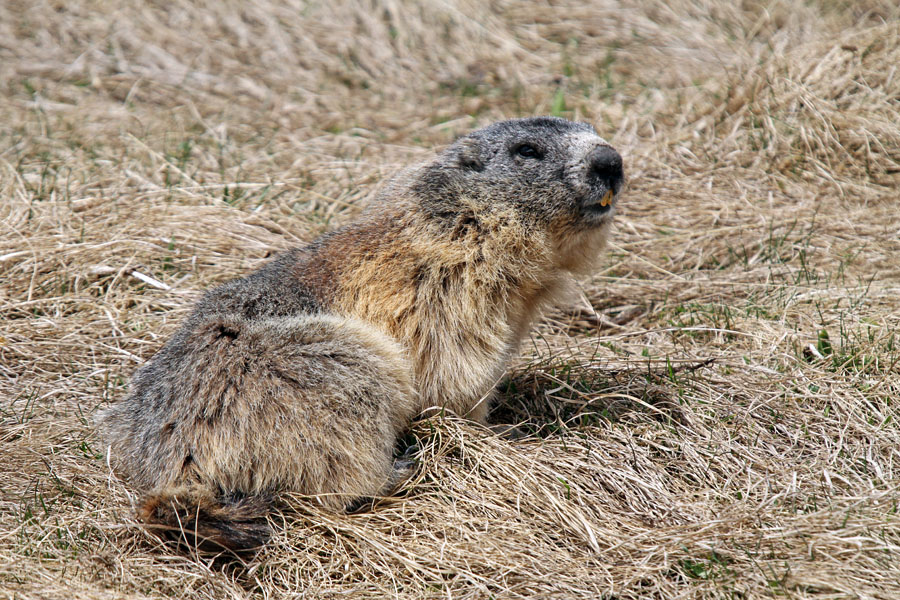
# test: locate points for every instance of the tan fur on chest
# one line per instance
(458, 305)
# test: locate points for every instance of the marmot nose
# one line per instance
(606, 164)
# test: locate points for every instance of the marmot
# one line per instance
(301, 376)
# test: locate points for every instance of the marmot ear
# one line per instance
(470, 155)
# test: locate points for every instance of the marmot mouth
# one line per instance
(592, 205)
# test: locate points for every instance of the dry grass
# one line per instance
(721, 422)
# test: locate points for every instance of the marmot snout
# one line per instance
(300, 376)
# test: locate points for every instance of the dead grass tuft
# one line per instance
(715, 417)
(824, 113)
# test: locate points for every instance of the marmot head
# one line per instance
(546, 173)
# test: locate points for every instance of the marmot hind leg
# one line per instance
(311, 405)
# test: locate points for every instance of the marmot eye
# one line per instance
(529, 151)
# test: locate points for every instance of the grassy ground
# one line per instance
(716, 417)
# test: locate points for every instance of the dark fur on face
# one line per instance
(553, 171)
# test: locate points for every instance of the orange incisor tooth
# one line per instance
(607, 198)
